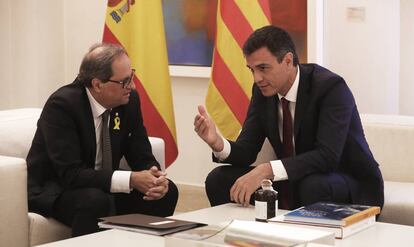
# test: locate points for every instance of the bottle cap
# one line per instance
(266, 184)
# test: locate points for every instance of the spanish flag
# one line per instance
(138, 27)
(231, 82)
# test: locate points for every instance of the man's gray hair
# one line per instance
(97, 63)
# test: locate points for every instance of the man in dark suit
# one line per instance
(84, 130)
(309, 115)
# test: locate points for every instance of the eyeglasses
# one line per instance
(125, 82)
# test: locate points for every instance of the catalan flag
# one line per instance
(138, 27)
(231, 82)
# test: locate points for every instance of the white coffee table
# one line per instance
(381, 234)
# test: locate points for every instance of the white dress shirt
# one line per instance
(120, 179)
(279, 171)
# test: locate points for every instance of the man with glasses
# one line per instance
(85, 129)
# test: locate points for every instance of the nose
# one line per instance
(257, 77)
(131, 85)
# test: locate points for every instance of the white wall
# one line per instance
(366, 52)
(194, 159)
(32, 56)
(43, 41)
(407, 56)
(5, 51)
(83, 25)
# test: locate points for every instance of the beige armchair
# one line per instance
(19, 227)
(391, 140)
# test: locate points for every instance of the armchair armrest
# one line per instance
(158, 149)
(14, 227)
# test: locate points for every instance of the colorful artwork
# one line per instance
(190, 28)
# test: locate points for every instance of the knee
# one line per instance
(213, 179)
(218, 183)
(313, 188)
(166, 205)
(172, 194)
(94, 202)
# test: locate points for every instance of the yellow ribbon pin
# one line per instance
(117, 122)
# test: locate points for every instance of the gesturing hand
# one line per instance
(206, 129)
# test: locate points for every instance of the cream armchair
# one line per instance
(19, 227)
(391, 140)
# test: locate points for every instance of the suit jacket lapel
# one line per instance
(90, 129)
(302, 99)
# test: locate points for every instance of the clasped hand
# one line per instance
(153, 183)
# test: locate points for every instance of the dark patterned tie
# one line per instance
(287, 129)
(106, 143)
(285, 193)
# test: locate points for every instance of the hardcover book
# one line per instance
(248, 233)
(339, 231)
(147, 224)
(331, 213)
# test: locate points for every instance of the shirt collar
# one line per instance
(97, 109)
(293, 91)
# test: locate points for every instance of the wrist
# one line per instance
(130, 180)
(267, 171)
(218, 145)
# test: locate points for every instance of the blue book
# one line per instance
(331, 213)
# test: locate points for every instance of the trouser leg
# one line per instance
(332, 187)
(81, 208)
(134, 203)
(219, 182)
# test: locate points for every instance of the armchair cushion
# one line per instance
(17, 128)
(399, 203)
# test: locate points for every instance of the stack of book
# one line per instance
(249, 233)
(341, 219)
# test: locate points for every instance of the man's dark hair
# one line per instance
(97, 63)
(277, 40)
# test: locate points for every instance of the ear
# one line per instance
(288, 59)
(96, 85)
